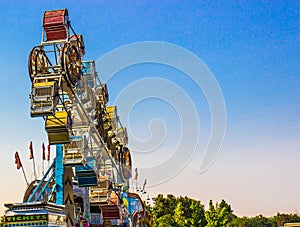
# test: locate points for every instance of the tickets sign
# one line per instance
(26, 218)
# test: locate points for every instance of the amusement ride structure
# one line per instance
(87, 183)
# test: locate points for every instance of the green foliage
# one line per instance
(280, 219)
(163, 206)
(197, 216)
(177, 212)
(261, 221)
(179, 215)
(181, 211)
(148, 207)
(218, 215)
(165, 221)
(257, 221)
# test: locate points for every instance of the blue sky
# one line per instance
(251, 47)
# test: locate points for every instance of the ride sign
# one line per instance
(24, 218)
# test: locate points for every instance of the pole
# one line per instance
(48, 155)
(25, 176)
(34, 168)
(59, 175)
(43, 171)
(43, 158)
(32, 157)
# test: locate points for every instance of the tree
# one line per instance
(280, 219)
(197, 215)
(211, 215)
(260, 221)
(165, 221)
(163, 207)
(257, 221)
(179, 217)
(181, 211)
(193, 212)
(218, 215)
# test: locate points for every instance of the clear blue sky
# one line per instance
(251, 47)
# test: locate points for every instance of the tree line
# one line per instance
(171, 211)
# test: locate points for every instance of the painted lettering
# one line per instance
(8, 219)
(25, 218)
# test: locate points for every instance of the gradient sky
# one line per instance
(251, 47)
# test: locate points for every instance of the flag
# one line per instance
(31, 150)
(43, 148)
(136, 174)
(48, 156)
(17, 160)
(144, 185)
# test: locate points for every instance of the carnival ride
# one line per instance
(87, 183)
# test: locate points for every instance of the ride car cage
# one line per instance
(86, 175)
(100, 194)
(43, 98)
(89, 72)
(58, 128)
(56, 25)
(112, 116)
(74, 152)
